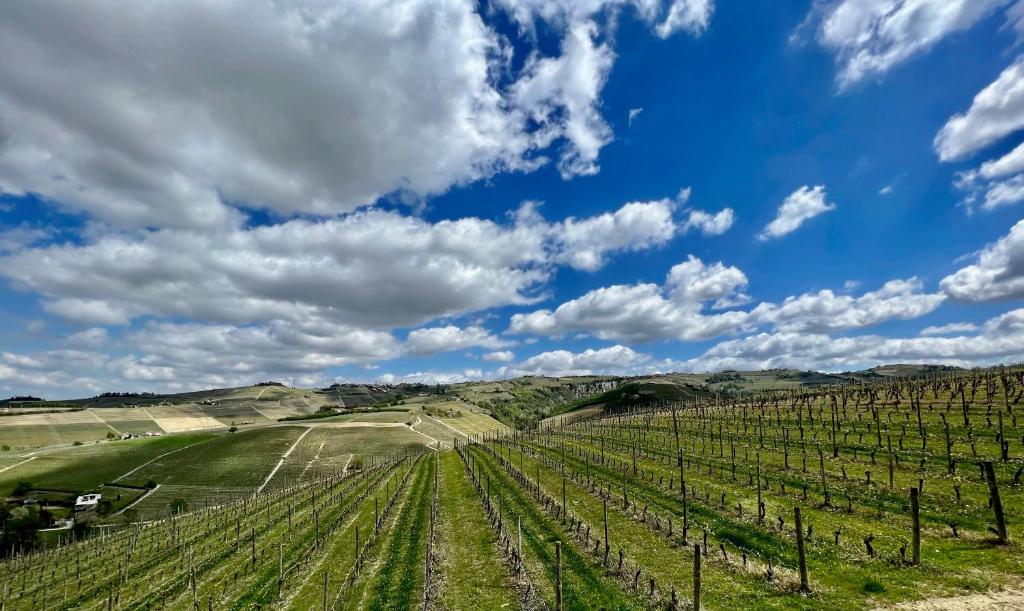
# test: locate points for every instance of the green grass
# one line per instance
(473, 571)
(584, 584)
(398, 581)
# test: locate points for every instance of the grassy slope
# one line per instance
(86, 467)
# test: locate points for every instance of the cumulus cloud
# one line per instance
(218, 354)
(613, 359)
(996, 112)
(802, 205)
(646, 312)
(441, 339)
(91, 339)
(677, 310)
(368, 269)
(666, 18)
(1000, 340)
(826, 311)
(870, 38)
(500, 356)
(998, 182)
(297, 108)
(998, 272)
(583, 243)
(431, 377)
(710, 224)
(950, 328)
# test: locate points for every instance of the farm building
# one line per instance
(87, 501)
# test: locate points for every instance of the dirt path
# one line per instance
(102, 421)
(154, 420)
(314, 459)
(1010, 598)
(449, 426)
(258, 411)
(284, 457)
(18, 464)
(412, 427)
(136, 501)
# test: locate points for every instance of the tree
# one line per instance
(5, 448)
(22, 488)
(179, 506)
(111, 435)
(20, 527)
(232, 429)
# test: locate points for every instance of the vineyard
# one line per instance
(842, 497)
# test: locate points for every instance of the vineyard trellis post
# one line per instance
(997, 504)
(805, 586)
(696, 576)
(915, 517)
(558, 576)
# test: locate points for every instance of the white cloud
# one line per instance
(886, 190)
(220, 354)
(613, 359)
(634, 113)
(366, 99)
(710, 224)
(646, 312)
(996, 112)
(998, 272)
(826, 311)
(298, 108)
(997, 182)
(90, 339)
(687, 15)
(441, 339)
(94, 311)
(571, 84)
(13, 239)
(635, 226)
(950, 328)
(665, 18)
(431, 377)
(803, 204)
(500, 356)
(1001, 340)
(369, 269)
(870, 37)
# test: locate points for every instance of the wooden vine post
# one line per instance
(805, 585)
(696, 576)
(997, 504)
(915, 520)
(558, 576)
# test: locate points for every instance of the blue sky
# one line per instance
(196, 196)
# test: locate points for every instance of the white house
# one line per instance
(87, 501)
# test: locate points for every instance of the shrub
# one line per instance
(77, 443)
(179, 506)
(150, 483)
(111, 435)
(873, 586)
(232, 429)
(5, 448)
(22, 488)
